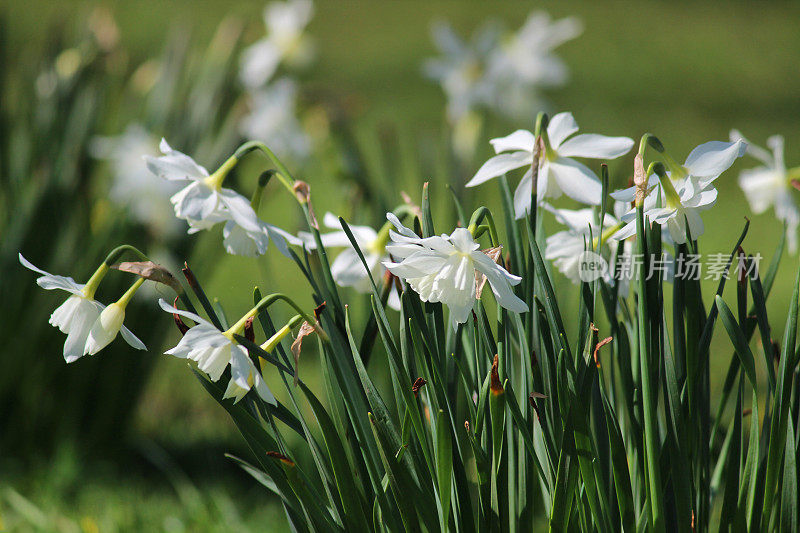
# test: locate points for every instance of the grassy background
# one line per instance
(687, 71)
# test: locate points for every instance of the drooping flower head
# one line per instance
(79, 314)
(204, 203)
(558, 171)
(213, 350)
(443, 269)
(677, 196)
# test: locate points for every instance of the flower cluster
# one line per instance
(673, 198)
(448, 269)
(271, 117)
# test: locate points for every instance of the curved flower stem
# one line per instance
(478, 215)
(283, 173)
(648, 139)
(115, 254)
(111, 258)
(266, 302)
(273, 341)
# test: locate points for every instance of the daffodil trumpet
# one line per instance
(109, 323)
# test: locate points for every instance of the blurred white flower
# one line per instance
(770, 185)
(525, 62)
(462, 68)
(78, 314)
(204, 203)
(443, 269)
(347, 269)
(285, 41)
(558, 172)
(146, 197)
(499, 72)
(272, 120)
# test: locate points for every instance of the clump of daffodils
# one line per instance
(491, 384)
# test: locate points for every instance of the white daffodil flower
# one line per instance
(285, 41)
(566, 248)
(272, 119)
(78, 314)
(678, 210)
(213, 350)
(558, 172)
(239, 241)
(347, 269)
(461, 70)
(204, 203)
(770, 185)
(678, 197)
(524, 62)
(133, 187)
(244, 376)
(443, 269)
(703, 165)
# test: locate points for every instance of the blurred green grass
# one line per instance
(687, 71)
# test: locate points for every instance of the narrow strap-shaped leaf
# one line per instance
(789, 495)
(738, 340)
(780, 407)
(444, 467)
(760, 306)
(619, 463)
(399, 483)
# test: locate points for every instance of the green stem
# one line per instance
(273, 341)
(266, 302)
(115, 254)
(652, 141)
(283, 173)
